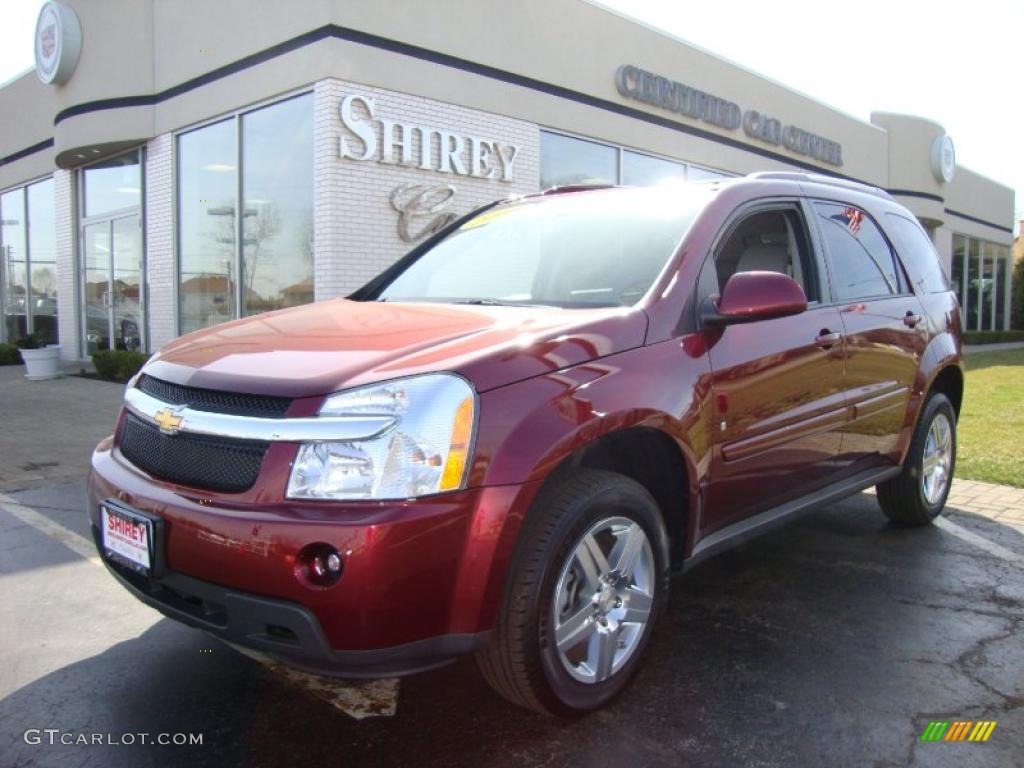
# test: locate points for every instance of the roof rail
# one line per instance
(819, 178)
(561, 190)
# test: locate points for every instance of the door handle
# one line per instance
(911, 319)
(826, 339)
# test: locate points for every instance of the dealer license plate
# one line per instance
(127, 538)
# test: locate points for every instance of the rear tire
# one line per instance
(587, 584)
(917, 495)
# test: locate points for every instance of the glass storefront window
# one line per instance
(277, 194)
(207, 197)
(1002, 253)
(641, 170)
(566, 160)
(988, 285)
(957, 273)
(271, 267)
(28, 263)
(696, 173)
(980, 276)
(15, 263)
(973, 283)
(112, 185)
(42, 250)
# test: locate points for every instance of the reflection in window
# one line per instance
(973, 282)
(15, 263)
(862, 262)
(696, 173)
(643, 170)
(42, 254)
(207, 193)
(112, 184)
(988, 285)
(566, 160)
(1001, 253)
(275, 260)
(28, 256)
(957, 274)
(277, 189)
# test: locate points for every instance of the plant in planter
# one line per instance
(41, 361)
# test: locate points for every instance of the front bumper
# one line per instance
(421, 584)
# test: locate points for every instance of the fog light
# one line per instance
(319, 564)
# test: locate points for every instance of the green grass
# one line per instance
(991, 427)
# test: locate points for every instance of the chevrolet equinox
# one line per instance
(505, 443)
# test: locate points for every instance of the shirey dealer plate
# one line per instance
(127, 538)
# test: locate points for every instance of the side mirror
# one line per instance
(752, 296)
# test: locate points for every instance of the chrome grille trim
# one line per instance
(317, 429)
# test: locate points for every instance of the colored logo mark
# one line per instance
(958, 730)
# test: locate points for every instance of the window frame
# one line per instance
(904, 286)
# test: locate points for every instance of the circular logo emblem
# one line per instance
(943, 159)
(58, 43)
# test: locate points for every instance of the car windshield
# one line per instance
(580, 249)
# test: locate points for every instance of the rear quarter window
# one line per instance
(917, 253)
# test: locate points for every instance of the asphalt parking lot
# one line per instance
(835, 641)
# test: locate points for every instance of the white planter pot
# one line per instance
(42, 363)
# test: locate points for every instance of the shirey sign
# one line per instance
(402, 143)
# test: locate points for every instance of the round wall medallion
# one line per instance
(58, 43)
(943, 159)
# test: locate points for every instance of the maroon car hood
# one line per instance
(320, 348)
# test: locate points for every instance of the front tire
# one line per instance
(917, 495)
(585, 589)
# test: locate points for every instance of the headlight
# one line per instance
(427, 451)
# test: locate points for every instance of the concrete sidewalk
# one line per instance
(970, 349)
(49, 428)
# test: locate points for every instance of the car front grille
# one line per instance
(198, 461)
(215, 401)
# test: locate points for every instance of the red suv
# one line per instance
(506, 442)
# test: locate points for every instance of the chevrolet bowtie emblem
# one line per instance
(168, 420)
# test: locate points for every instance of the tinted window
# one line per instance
(862, 262)
(918, 254)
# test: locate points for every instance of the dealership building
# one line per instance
(171, 165)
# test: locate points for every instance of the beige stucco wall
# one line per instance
(147, 48)
(142, 47)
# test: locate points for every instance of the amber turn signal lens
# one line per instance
(458, 451)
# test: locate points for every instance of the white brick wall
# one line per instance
(355, 226)
(67, 274)
(160, 264)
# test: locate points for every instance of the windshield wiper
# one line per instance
(487, 302)
(481, 301)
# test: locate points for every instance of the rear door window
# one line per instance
(862, 262)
